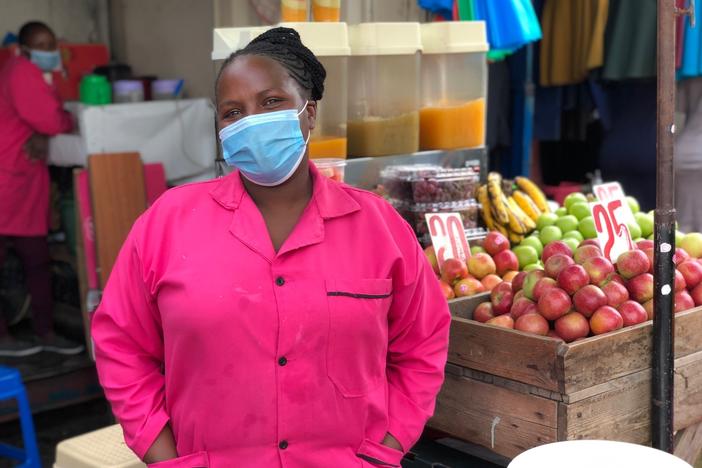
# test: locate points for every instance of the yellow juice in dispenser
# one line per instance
(293, 10)
(328, 147)
(326, 10)
(452, 126)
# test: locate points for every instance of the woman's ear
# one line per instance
(311, 114)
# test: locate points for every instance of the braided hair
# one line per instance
(285, 47)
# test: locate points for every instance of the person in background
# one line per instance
(273, 317)
(30, 112)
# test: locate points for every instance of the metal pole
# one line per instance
(663, 336)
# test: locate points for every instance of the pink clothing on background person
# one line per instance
(28, 105)
(302, 358)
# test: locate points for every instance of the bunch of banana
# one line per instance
(515, 215)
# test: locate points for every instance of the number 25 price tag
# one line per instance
(613, 191)
(448, 236)
(612, 232)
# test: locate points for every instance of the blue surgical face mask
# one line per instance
(267, 148)
(46, 61)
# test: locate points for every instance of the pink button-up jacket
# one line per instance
(302, 358)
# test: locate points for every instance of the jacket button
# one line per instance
(283, 444)
(280, 281)
(282, 361)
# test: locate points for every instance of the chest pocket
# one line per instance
(358, 333)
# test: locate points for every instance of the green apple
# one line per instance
(550, 234)
(533, 266)
(573, 198)
(572, 243)
(653, 237)
(574, 235)
(679, 237)
(546, 219)
(476, 249)
(645, 222)
(534, 242)
(586, 226)
(634, 230)
(526, 255)
(567, 223)
(692, 244)
(562, 211)
(633, 204)
(580, 210)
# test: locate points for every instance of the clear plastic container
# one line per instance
(332, 168)
(127, 91)
(293, 10)
(454, 85)
(429, 184)
(415, 214)
(165, 89)
(383, 92)
(326, 10)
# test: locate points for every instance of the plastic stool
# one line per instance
(11, 387)
(596, 453)
(104, 448)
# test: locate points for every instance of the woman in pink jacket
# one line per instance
(273, 317)
(30, 112)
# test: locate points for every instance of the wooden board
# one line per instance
(119, 197)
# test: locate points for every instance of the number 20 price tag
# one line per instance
(612, 232)
(448, 236)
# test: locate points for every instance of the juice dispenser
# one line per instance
(383, 116)
(329, 42)
(454, 85)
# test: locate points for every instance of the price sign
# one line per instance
(448, 236)
(612, 232)
(613, 191)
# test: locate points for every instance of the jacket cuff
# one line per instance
(406, 419)
(145, 438)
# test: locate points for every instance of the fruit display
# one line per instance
(414, 214)
(514, 213)
(424, 183)
(580, 293)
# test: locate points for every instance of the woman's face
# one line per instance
(253, 84)
(42, 39)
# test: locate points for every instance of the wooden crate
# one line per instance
(510, 391)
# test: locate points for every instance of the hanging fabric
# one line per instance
(630, 40)
(510, 23)
(691, 65)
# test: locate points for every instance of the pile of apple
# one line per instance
(583, 293)
(488, 266)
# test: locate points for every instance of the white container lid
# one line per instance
(448, 37)
(323, 39)
(385, 38)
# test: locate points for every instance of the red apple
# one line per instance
(433, 261)
(644, 244)
(519, 294)
(650, 254)
(483, 312)
(530, 281)
(542, 286)
(453, 270)
(509, 276)
(490, 281)
(617, 278)
(641, 287)
(495, 242)
(594, 242)
(572, 326)
(683, 301)
(616, 293)
(501, 298)
(532, 323)
(518, 281)
(522, 306)
(554, 303)
(680, 283)
(692, 272)
(588, 299)
(633, 263)
(605, 319)
(696, 294)
(553, 248)
(447, 290)
(504, 321)
(632, 313)
(468, 287)
(648, 307)
(586, 251)
(556, 263)
(573, 278)
(680, 256)
(505, 261)
(480, 265)
(599, 269)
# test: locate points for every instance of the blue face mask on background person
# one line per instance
(45, 60)
(267, 148)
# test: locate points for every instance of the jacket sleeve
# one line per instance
(419, 323)
(128, 339)
(36, 103)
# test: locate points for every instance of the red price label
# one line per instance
(613, 191)
(448, 236)
(612, 233)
